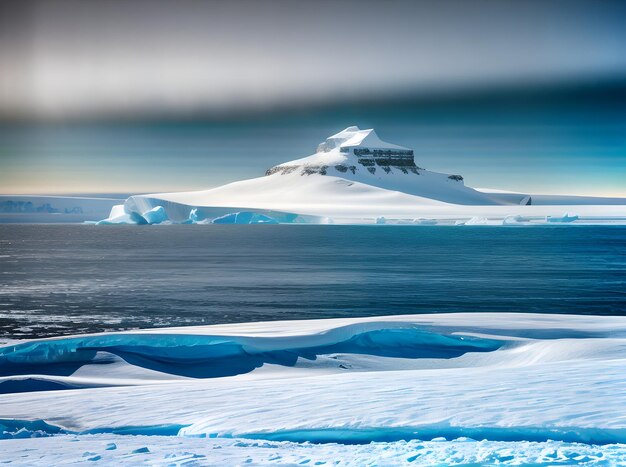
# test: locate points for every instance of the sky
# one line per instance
(142, 96)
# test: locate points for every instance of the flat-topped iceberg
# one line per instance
(355, 177)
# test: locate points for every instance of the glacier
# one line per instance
(458, 388)
(354, 177)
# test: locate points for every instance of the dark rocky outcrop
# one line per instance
(282, 169)
(389, 160)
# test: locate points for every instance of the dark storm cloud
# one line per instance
(141, 58)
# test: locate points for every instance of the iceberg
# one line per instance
(421, 221)
(567, 217)
(234, 218)
(197, 216)
(155, 215)
(245, 218)
(513, 220)
(262, 219)
(119, 215)
(355, 177)
(477, 220)
(42, 208)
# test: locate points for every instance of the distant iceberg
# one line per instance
(567, 217)
(56, 209)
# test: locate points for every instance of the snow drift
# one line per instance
(204, 356)
(502, 378)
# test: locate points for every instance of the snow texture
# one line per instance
(536, 388)
(170, 451)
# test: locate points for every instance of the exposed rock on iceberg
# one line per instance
(361, 156)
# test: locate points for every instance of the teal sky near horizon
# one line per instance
(529, 144)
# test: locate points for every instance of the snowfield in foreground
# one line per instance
(108, 449)
(428, 389)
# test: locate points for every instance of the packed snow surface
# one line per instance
(110, 449)
(448, 388)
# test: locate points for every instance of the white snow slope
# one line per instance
(354, 177)
(447, 389)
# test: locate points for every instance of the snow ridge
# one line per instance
(207, 356)
(532, 386)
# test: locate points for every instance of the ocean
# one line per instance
(66, 279)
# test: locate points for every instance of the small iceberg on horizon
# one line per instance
(567, 217)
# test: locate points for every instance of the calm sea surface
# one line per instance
(63, 279)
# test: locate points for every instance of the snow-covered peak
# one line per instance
(353, 137)
(336, 140)
(350, 149)
(361, 156)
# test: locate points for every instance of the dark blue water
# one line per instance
(62, 279)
